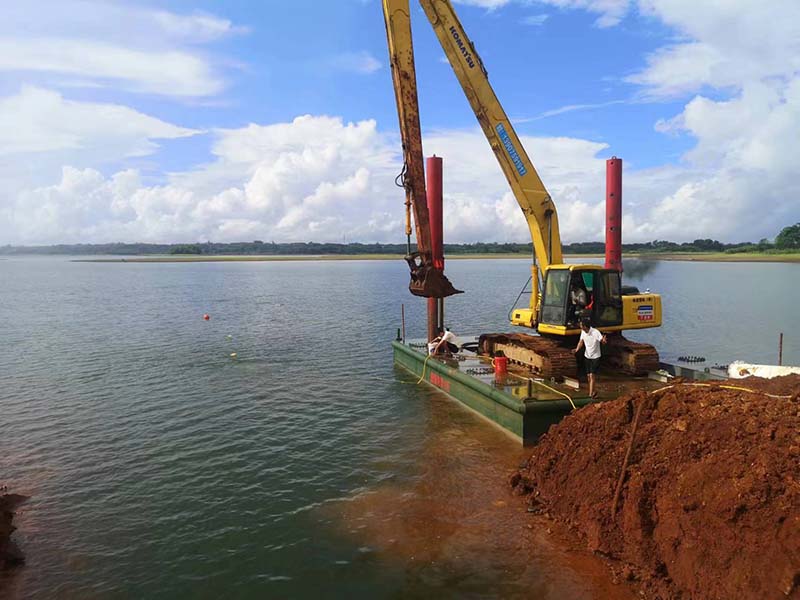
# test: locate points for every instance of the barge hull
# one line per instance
(527, 418)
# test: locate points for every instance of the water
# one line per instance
(161, 467)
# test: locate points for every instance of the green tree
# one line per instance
(764, 244)
(789, 237)
(186, 249)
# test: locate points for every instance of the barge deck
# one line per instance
(522, 404)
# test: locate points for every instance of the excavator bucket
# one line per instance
(428, 281)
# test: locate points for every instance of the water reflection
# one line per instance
(454, 525)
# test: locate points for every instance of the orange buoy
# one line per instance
(206, 317)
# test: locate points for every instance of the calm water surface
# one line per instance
(161, 467)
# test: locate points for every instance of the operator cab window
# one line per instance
(580, 300)
(608, 299)
(588, 280)
(556, 293)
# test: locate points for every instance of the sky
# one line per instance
(195, 120)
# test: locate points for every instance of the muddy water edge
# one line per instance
(454, 524)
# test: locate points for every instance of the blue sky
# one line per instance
(287, 67)
(178, 121)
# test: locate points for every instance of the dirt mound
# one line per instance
(783, 385)
(703, 501)
(9, 553)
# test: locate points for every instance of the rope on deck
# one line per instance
(567, 396)
(725, 387)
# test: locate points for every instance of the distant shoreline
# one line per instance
(719, 257)
(687, 257)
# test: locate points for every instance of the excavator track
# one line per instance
(629, 357)
(548, 357)
(544, 356)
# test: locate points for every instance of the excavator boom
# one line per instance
(426, 279)
(528, 189)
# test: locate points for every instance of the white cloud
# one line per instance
(318, 178)
(611, 11)
(90, 43)
(356, 62)
(41, 132)
(313, 178)
(535, 20)
(488, 4)
(83, 203)
(171, 73)
(676, 70)
(725, 43)
(568, 109)
(123, 22)
(196, 28)
(39, 121)
(739, 179)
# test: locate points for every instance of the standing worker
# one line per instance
(591, 339)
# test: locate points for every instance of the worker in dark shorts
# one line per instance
(444, 343)
(590, 339)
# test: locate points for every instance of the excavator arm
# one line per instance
(426, 279)
(529, 191)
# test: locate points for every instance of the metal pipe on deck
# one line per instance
(614, 214)
(433, 187)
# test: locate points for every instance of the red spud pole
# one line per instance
(614, 214)
(433, 186)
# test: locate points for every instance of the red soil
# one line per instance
(708, 500)
(9, 553)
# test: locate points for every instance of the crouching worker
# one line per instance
(444, 343)
(590, 339)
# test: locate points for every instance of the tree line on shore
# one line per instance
(788, 240)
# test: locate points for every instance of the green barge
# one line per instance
(523, 405)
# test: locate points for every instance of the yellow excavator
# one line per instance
(552, 311)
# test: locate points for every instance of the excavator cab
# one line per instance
(573, 292)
